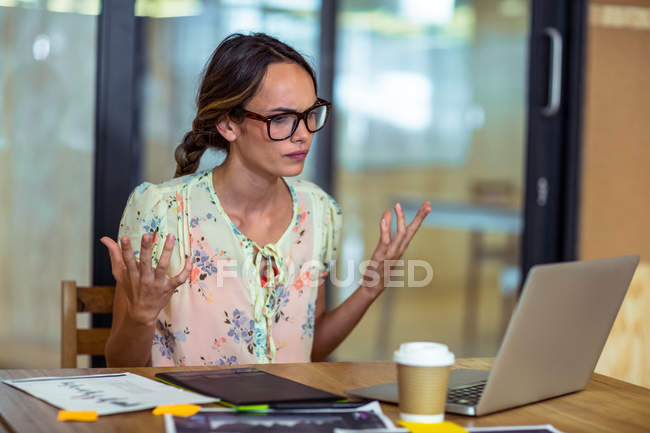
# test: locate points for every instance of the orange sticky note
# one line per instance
(77, 415)
(439, 427)
(183, 410)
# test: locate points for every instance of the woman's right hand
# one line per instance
(147, 289)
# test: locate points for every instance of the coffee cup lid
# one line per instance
(424, 354)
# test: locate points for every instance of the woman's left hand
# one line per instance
(389, 249)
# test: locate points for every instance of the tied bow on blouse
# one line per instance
(265, 301)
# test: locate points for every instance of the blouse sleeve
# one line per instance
(145, 213)
(333, 219)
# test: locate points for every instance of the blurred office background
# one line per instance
(436, 100)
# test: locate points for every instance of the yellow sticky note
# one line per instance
(184, 410)
(439, 427)
(77, 415)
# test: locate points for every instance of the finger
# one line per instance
(401, 224)
(182, 276)
(118, 267)
(384, 233)
(146, 251)
(399, 235)
(129, 259)
(165, 257)
(414, 226)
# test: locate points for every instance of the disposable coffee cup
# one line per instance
(422, 378)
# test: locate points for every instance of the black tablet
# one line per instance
(246, 386)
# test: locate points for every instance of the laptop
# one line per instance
(553, 340)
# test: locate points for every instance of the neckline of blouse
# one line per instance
(247, 242)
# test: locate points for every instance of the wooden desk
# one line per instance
(607, 405)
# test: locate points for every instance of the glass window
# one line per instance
(431, 106)
(47, 100)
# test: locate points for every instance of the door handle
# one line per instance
(555, 72)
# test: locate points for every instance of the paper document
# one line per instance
(106, 393)
(368, 418)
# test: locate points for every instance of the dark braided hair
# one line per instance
(231, 78)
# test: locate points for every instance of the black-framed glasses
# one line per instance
(282, 126)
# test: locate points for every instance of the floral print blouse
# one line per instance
(242, 303)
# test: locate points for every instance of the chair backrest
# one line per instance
(76, 299)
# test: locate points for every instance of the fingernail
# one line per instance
(383, 223)
(398, 206)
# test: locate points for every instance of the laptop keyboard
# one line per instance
(467, 395)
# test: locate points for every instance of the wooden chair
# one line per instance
(75, 341)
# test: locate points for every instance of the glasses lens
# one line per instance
(281, 126)
(316, 118)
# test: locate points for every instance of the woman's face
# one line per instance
(285, 87)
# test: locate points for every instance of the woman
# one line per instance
(231, 263)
